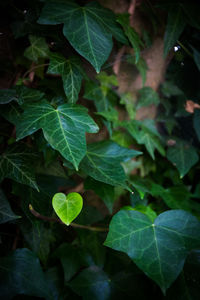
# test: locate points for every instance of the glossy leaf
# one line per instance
(158, 248)
(84, 27)
(71, 71)
(6, 213)
(18, 272)
(102, 162)
(37, 49)
(64, 128)
(67, 207)
(175, 26)
(17, 164)
(183, 156)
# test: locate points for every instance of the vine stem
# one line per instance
(49, 219)
(33, 68)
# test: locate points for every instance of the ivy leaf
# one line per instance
(147, 96)
(102, 162)
(17, 164)
(92, 283)
(133, 233)
(196, 122)
(83, 27)
(6, 213)
(132, 35)
(64, 128)
(71, 71)
(175, 26)
(7, 95)
(183, 156)
(67, 207)
(18, 273)
(37, 49)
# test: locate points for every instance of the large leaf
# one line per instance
(92, 283)
(71, 72)
(37, 49)
(64, 128)
(21, 273)
(67, 207)
(102, 162)
(86, 28)
(183, 156)
(17, 164)
(175, 26)
(6, 213)
(158, 248)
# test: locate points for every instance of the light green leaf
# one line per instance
(71, 71)
(175, 26)
(17, 164)
(132, 35)
(37, 49)
(64, 128)
(6, 213)
(183, 156)
(18, 274)
(102, 162)
(86, 28)
(158, 248)
(67, 207)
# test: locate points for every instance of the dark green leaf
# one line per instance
(6, 213)
(7, 96)
(196, 57)
(175, 26)
(196, 122)
(147, 96)
(158, 248)
(64, 128)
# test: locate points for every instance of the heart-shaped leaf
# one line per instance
(158, 248)
(67, 207)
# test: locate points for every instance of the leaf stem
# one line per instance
(33, 68)
(45, 218)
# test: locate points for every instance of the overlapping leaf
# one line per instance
(64, 128)
(158, 248)
(17, 164)
(102, 162)
(6, 213)
(71, 72)
(89, 29)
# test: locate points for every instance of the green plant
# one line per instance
(75, 151)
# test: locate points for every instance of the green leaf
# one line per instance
(17, 164)
(175, 26)
(84, 27)
(147, 96)
(183, 156)
(196, 57)
(158, 248)
(7, 96)
(67, 207)
(21, 273)
(64, 128)
(132, 35)
(92, 283)
(103, 190)
(38, 48)
(196, 122)
(147, 210)
(102, 162)
(6, 213)
(71, 71)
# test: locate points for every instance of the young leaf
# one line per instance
(64, 128)
(102, 162)
(158, 248)
(183, 156)
(71, 71)
(6, 213)
(17, 164)
(84, 27)
(175, 26)
(37, 49)
(67, 207)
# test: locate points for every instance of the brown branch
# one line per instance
(49, 219)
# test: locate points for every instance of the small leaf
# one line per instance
(183, 156)
(67, 207)
(147, 96)
(6, 213)
(159, 248)
(37, 49)
(175, 26)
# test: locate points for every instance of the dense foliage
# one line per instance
(97, 202)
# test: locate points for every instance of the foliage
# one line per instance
(74, 152)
